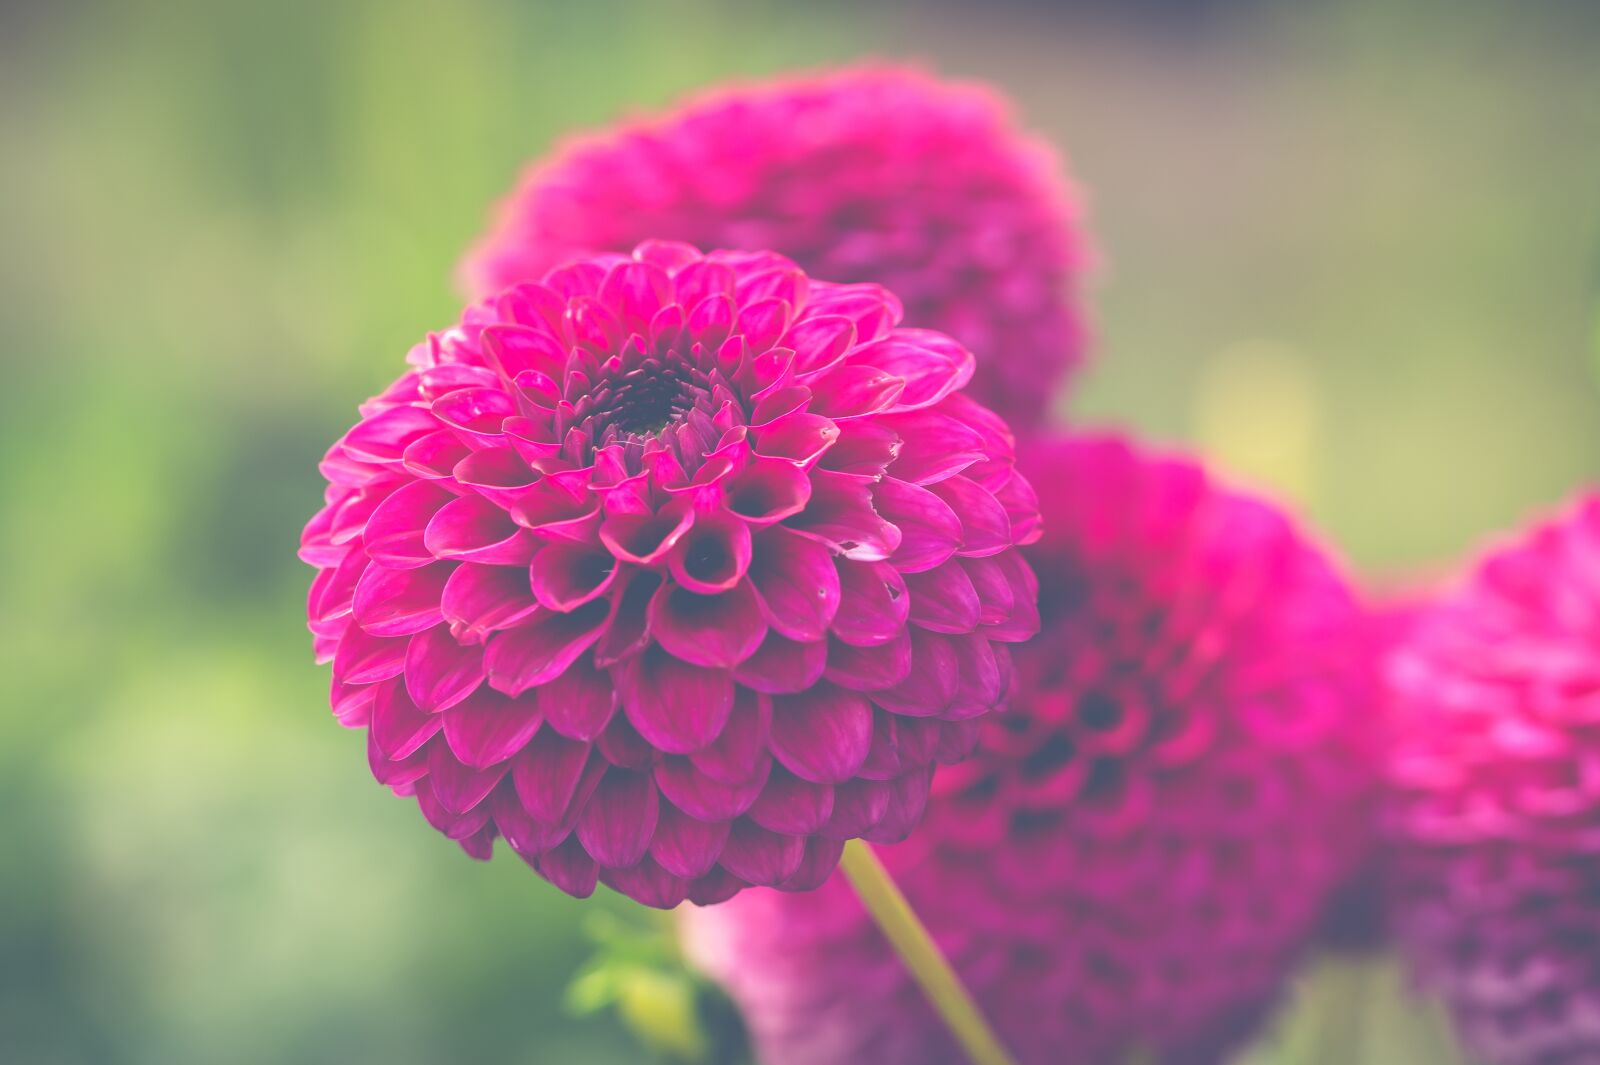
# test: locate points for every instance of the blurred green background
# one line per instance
(1351, 253)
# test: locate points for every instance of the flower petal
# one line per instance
(542, 647)
(759, 857)
(547, 775)
(459, 788)
(676, 706)
(791, 805)
(488, 727)
(398, 726)
(704, 797)
(821, 735)
(439, 671)
(781, 665)
(873, 603)
(798, 584)
(617, 822)
(580, 702)
(943, 599)
(400, 602)
(930, 531)
(686, 846)
(715, 631)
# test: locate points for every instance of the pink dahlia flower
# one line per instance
(672, 570)
(1495, 796)
(1145, 839)
(867, 174)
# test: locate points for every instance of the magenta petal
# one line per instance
(1023, 621)
(564, 576)
(478, 600)
(400, 602)
(930, 531)
(489, 727)
(943, 599)
(703, 797)
(439, 671)
(821, 735)
(525, 835)
(781, 666)
(931, 364)
(716, 631)
(719, 885)
(636, 291)
(617, 822)
(769, 490)
(621, 745)
(931, 685)
(686, 846)
(869, 669)
(736, 754)
(798, 583)
(364, 659)
(858, 806)
(384, 436)
(985, 527)
(841, 515)
(452, 824)
(542, 647)
(907, 800)
(821, 859)
(569, 867)
(791, 805)
(479, 845)
(472, 529)
(873, 603)
(647, 883)
(853, 391)
(398, 725)
(934, 445)
(991, 581)
(580, 702)
(459, 788)
(547, 774)
(391, 773)
(760, 857)
(394, 532)
(629, 630)
(676, 706)
(713, 556)
(981, 685)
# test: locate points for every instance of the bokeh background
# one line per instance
(1351, 254)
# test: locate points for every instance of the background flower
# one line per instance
(873, 173)
(1495, 795)
(1146, 838)
(674, 571)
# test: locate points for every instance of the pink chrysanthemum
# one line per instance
(674, 570)
(1495, 796)
(1144, 840)
(872, 173)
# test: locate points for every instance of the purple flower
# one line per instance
(871, 173)
(674, 571)
(1494, 817)
(1145, 840)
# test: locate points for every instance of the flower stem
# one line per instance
(889, 908)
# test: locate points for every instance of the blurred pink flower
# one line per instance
(1146, 839)
(1495, 796)
(872, 173)
(740, 506)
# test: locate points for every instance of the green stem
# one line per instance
(889, 908)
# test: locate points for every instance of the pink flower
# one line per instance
(1495, 796)
(672, 570)
(872, 173)
(1146, 838)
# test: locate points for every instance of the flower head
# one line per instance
(672, 570)
(1494, 789)
(873, 173)
(1145, 838)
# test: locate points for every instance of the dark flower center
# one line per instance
(645, 398)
